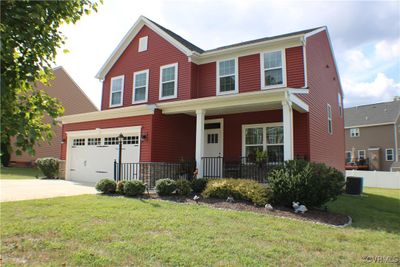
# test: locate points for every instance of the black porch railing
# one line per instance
(150, 172)
(246, 168)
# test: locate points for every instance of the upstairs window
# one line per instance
(168, 81)
(389, 154)
(143, 44)
(272, 69)
(140, 86)
(330, 126)
(117, 91)
(227, 77)
(354, 132)
(340, 105)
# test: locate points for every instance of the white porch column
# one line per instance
(200, 115)
(287, 130)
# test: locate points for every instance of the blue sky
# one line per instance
(365, 36)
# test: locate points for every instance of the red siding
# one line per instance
(301, 135)
(144, 121)
(174, 137)
(324, 87)
(160, 52)
(207, 81)
(249, 73)
(294, 67)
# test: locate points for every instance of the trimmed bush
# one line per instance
(134, 188)
(106, 186)
(198, 185)
(183, 187)
(312, 184)
(239, 189)
(165, 187)
(48, 166)
(120, 187)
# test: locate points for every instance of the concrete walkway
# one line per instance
(14, 190)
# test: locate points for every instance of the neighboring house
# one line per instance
(172, 100)
(372, 135)
(74, 101)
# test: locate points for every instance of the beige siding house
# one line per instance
(74, 100)
(372, 136)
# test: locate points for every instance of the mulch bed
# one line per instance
(314, 215)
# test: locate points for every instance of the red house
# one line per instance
(171, 100)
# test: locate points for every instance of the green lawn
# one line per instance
(114, 231)
(19, 173)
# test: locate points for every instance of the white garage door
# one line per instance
(91, 158)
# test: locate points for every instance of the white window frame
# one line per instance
(283, 55)
(386, 154)
(348, 152)
(264, 143)
(340, 103)
(122, 90)
(329, 115)
(134, 88)
(236, 77)
(358, 154)
(354, 132)
(175, 95)
(143, 44)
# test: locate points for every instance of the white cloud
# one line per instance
(387, 50)
(380, 89)
(357, 61)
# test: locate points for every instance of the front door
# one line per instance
(213, 149)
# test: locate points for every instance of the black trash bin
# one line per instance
(354, 185)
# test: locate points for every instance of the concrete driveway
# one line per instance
(13, 190)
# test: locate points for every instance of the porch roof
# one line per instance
(238, 103)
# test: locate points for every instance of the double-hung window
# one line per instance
(340, 105)
(263, 137)
(227, 81)
(330, 126)
(272, 69)
(361, 154)
(389, 154)
(169, 81)
(354, 132)
(140, 86)
(116, 91)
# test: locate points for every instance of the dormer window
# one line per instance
(143, 44)
(116, 91)
(273, 69)
(227, 81)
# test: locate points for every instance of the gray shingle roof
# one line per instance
(197, 49)
(386, 112)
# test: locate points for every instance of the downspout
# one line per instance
(304, 42)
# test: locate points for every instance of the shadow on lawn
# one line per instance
(370, 211)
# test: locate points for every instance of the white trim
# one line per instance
(137, 110)
(304, 41)
(340, 103)
(143, 44)
(358, 154)
(122, 90)
(323, 28)
(369, 125)
(200, 117)
(218, 92)
(175, 95)
(357, 131)
(329, 116)
(386, 154)
(262, 70)
(300, 105)
(129, 36)
(395, 143)
(221, 121)
(147, 86)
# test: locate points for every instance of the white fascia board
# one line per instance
(369, 125)
(108, 131)
(139, 110)
(298, 91)
(213, 102)
(133, 31)
(299, 104)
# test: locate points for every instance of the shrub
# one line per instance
(183, 187)
(312, 184)
(198, 185)
(239, 189)
(106, 186)
(165, 187)
(48, 166)
(134, 188)
(120, 187)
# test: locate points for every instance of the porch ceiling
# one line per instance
(238, 103)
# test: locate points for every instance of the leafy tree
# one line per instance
(30, 38)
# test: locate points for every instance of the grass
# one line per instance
(16, 173)
(99, 230)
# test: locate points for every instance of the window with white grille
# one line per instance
(78, 142)
(111, 141)
(94, 141)
(131, 140)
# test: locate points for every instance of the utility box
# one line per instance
(354, 185)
